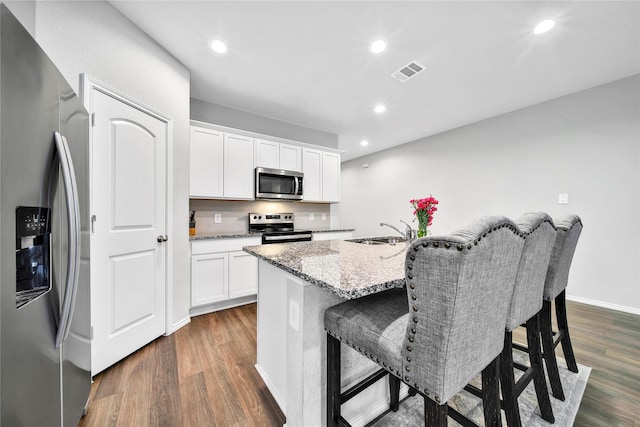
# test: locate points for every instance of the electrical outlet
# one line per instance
(324, 216)
(311, 217)
(563, 198)
(217, 218)
(294, 314)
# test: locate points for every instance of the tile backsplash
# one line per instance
(234, 214)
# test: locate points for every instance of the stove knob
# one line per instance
(255, 217)
(260, 217)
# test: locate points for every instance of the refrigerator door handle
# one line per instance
(73, 218)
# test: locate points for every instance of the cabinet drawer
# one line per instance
(222, 245)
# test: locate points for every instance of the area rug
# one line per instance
(411, 412)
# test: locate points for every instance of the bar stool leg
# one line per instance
(435, 415)
(491, 394)
(563, 328)
(535, 358)
(548, 351)
(394, 392)
(333, 381)
(507, 383)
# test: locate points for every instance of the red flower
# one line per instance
(424, 209)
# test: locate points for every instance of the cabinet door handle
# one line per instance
(162, 238)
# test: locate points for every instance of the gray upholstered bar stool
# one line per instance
(526, 304)
(458, 291)
(568, 231)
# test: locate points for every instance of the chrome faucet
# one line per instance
(409, 234)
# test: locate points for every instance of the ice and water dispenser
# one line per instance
(33, 234)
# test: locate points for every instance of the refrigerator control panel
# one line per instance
(32, 221)
(33, 232)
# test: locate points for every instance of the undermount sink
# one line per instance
(387, 240)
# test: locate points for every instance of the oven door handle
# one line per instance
(287, 237)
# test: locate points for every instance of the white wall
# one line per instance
(94, 38)
(208, 112)
(25, 11)
(586, 144)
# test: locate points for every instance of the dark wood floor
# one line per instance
(203, 375)
(609, 342)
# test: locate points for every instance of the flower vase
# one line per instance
(422, 228)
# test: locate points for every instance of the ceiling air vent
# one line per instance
(409, 71)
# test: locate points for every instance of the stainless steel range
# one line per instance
(277, 228)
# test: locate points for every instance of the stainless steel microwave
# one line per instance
(278, 184)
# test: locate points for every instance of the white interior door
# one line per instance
(128, 250)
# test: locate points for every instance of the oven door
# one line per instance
(278, 184)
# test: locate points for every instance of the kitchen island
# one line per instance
(297, 282)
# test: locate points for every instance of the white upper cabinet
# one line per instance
(206, 154)
(238, 167)
(321, 175)
(274, 155)
(290, 157)
(330, 177)
(267, 154)
(223, 166)
(312, 169)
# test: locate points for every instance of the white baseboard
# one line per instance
(279, 400)
(223, 305)
(616, 307)
(179, 324)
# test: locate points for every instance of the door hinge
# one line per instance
(93, 119)
(91, 333)
(93, 224)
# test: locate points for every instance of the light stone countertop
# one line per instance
(350, 270)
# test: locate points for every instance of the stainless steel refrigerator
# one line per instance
(45, 346)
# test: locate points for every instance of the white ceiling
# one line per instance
(308, 63)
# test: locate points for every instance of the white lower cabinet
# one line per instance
(210, 278)
(243, 274)
(222, 274)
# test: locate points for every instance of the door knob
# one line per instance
(162, 238)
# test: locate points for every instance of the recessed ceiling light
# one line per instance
(544, 26)
(380, 108)
(378, 46)
(218, 46)
(364, 142)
